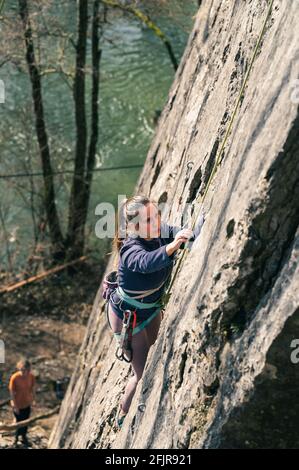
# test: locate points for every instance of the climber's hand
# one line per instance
(181, 237)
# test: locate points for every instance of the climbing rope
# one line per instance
(221, 150)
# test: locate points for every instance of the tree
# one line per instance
(42, 136)
(84, 154)
(91, 16)
(73, 245)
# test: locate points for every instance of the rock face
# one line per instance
(220, 373)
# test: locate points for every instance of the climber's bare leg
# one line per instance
(152, 329)
(141, 343)
(115, 322)
(140, 351)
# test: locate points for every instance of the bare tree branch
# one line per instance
(149, 23)
(30, 421)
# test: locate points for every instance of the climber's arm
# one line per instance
(169, 232)
(138, 259)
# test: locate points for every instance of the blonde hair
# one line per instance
(23, 363)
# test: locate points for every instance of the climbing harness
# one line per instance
(219, 158)
(130, 325)
(110, 284)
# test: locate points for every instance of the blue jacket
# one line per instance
(144, 264)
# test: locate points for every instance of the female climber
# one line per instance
(146, 253)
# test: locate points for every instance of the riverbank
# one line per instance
(45, 322)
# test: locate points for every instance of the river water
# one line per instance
(136, 74)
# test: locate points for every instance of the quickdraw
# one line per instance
(124, 351)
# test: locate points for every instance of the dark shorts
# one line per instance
(118, 306)
(140, 324)
(24, 413)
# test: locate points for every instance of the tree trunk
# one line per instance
(96, 57)
(49, 196)
(75, 235)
